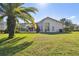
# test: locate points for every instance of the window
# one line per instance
(47, 27)
(52, 28)
(41, 28)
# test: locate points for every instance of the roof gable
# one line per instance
(49, 18)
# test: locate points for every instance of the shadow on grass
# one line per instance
(8, 50)
(10, 41)
(57, 33)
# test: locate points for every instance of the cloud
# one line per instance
(72, 17)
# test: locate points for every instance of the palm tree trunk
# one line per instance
(11, 23)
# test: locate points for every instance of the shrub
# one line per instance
(67, 29)
(1, 31)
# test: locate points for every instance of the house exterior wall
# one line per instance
(3, 26)
(53, 24)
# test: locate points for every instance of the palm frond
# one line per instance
(1, 11)
(17, 4)
(23, 18)
(27, 16)
(16, 10)
(17, 22)
(30, 18)
(27, 10)
(4, 6)
(30, 9)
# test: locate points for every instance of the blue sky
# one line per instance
(56, 11)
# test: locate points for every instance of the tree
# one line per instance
(13, 11)
(63, 20)
(68, 24)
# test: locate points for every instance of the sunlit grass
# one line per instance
(40, 44)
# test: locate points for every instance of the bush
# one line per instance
(6, 31)
(1, 31)
(67, 29)
(16, 31)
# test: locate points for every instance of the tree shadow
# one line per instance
(9, 50)
(11, 41)
(3, 40)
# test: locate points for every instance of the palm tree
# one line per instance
(14, 11)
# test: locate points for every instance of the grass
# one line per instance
(40, 44)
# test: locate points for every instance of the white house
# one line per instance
(3, 25)
(46, 25)
(50, 25)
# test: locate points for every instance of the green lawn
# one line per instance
(40, 44)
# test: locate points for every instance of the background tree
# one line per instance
(13, 11)
(68, 24)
